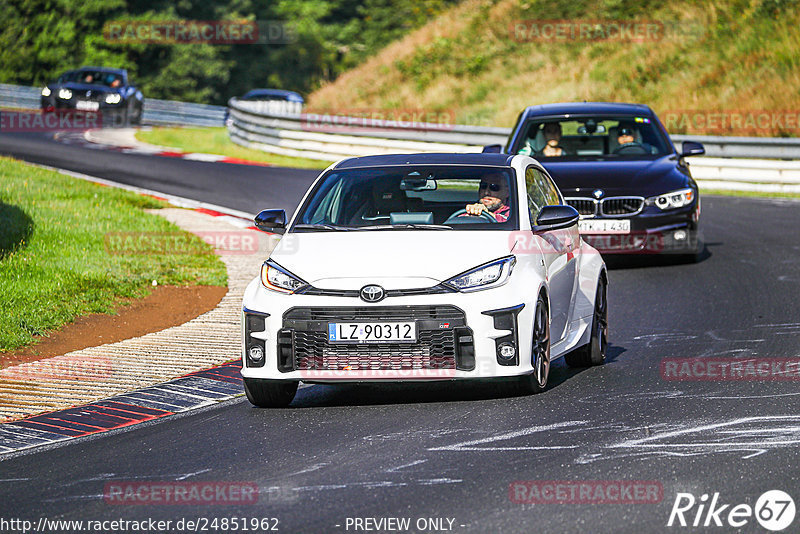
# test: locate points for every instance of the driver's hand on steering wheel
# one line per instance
(476, 209)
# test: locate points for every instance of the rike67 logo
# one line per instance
(774, 511)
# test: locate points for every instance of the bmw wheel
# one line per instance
(269, 393)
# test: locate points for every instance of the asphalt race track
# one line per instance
(241, 187)
(453, 451)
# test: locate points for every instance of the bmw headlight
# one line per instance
(66, 94)
(675, 199)
(46, 91)
(486, 276)
(275, 277)
(113, 98)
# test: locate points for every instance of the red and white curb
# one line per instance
(124, 140)
(31, 391)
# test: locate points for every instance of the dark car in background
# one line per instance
(99, 90)
(616, 165)
(272, 94)
(274, 101)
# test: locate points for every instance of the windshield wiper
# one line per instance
(328, 227)
(406, 227)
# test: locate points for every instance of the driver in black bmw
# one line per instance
(493, 195)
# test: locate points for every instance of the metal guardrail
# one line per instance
(269, 129)
(745, 147)
(182, 113)
(282, 129)
(162, 112)
(330, 137)
(19, 97)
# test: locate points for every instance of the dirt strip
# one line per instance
(99, 372)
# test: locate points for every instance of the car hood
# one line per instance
(624, 177)
(396, 259)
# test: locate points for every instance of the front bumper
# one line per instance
(653, 231)
(459, 335)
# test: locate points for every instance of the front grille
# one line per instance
(96, 96)
(621, 205)
(433, 350)
(375, 313)
(439, 344)
(584, 206)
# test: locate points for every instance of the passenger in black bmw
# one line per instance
(552, 136)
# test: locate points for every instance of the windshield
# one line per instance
(406, 197)
(602, 137)
(94, 77)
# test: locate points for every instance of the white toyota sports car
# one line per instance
(423, 267)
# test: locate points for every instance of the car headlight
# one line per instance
(275, 277)
(675, 199)
(485, 276)
(113, 98)
(66, 94)
(46, 91)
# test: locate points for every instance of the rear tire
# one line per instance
(536, 382)
(269, 393)
(594, 352)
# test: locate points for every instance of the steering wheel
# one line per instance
(631, 148)
(484, 214)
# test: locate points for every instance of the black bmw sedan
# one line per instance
(617, 166)
(96, 89)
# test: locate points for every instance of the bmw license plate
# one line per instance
(87, 105)
(405, 332)
(605, 226)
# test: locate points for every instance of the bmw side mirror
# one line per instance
(492, 149)
(556, 218)
(271, 221)
(691, 148)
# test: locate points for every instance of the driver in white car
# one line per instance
(493, 195)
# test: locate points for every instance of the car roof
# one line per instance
(586, 108)
(455, 159)
(101, 69)
(288, 95)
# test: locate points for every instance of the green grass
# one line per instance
(735, 56)
(57, 260)
(216, 141)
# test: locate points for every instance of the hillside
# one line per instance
(482, 61)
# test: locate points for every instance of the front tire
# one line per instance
(269, 393)
(136, 119)
(697, 249)
(536, 382)
(594, 352)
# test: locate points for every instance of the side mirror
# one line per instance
(690, 148)
(271, 221)
(556, 218)
(492, 149)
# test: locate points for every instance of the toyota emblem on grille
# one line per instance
(372, 293)
(597, 193)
